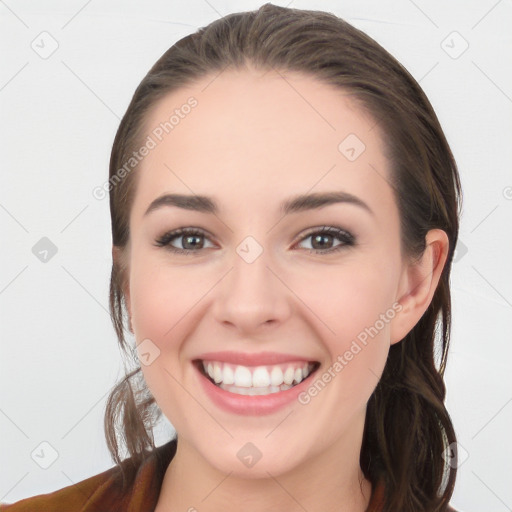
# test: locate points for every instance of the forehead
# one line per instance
(262, 133)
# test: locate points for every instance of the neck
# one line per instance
(329, 481)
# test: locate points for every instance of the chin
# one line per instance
(248, 460)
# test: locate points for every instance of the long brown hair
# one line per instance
(408, 428)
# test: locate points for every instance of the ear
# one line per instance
(119, 258)
(418, 284)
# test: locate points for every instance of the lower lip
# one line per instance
(255, 405)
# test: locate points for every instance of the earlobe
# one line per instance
(418, 284)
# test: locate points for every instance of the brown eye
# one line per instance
(323, 240)
(191, 240)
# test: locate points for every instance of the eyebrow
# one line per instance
(305, 202)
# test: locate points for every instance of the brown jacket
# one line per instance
(102, 492)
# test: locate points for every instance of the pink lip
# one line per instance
(256, 359)
(255, 405)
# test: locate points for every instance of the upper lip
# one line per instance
(252, 359)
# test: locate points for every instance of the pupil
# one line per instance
(319, 237)
(187, 240)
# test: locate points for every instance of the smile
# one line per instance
(256, 380)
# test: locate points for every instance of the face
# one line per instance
(264, 287)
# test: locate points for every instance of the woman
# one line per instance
(284, 212)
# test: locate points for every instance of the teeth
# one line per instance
(243, 377)
(258, 380)
(289, 375)
(217, 373)
(228, 375)
(276, 376)
(255, 391)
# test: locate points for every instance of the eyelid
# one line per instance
(330, 230)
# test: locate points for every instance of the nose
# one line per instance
(252, 296)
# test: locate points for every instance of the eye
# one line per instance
(322, 239)
(192, 240)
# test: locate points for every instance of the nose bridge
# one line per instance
(251, 294)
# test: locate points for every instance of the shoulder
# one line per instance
(72, 497)
(104, 491)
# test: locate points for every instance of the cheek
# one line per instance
(358, 308)
(349, 299)
(161, 301)
(355, 309)
(162, 296)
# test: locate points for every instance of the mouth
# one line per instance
(256, 380)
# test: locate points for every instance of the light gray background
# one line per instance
(59, 355)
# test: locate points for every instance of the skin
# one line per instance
(254, 140)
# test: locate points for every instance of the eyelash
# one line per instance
(345, 237)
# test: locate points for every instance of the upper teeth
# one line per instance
(258, 376)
